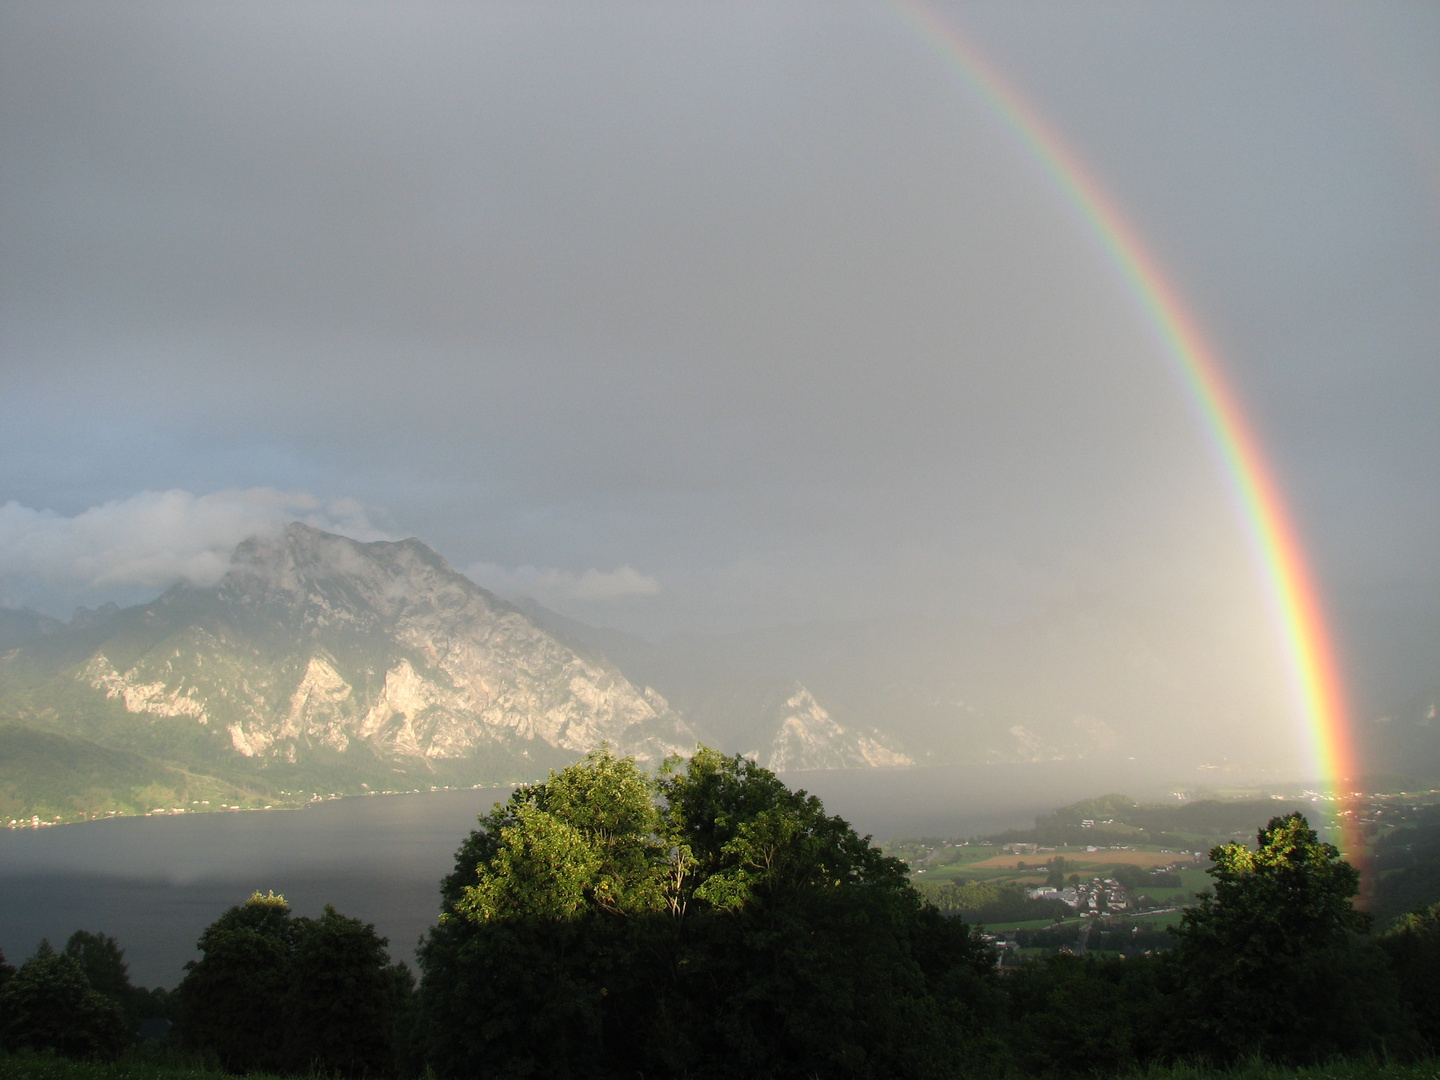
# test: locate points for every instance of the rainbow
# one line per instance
(1290, 588)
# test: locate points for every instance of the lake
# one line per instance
(155, 883)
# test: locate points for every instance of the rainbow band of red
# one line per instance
(1285, 575)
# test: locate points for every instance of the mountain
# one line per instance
(778, 721)
(1087, 681)
(927, 691)
(325, 664)
(807, 737)
(18, 627)
(1091, 680)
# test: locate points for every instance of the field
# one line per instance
(987, 863)
(1341, 1070)
(1193, 880)
(1076, 859)
(1161, 880)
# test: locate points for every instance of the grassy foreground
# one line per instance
(38, 1067)
(46, 1067)
(1339, 1070)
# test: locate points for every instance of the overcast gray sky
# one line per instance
(715, 315)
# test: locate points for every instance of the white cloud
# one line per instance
(551, 584)
(156, 538)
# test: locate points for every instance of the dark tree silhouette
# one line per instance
(1413, 945)
(299, 995)
(103, 962)
(1272, 962)
(49, 1005)
(232, 999)
(343, 999)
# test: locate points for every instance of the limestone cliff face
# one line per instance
(316, 643)
(807, 737)
(156, 697)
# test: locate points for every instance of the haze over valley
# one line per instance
(321, 665)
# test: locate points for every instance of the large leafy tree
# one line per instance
(103, 961)
(344, 998)
(708, 922)
(275, 992)
(1291, 894)
(232, 999)
(49, 1005)
(804, 948)
(548, 899)
(1272, 962)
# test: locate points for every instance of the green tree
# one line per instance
(1413, 946)
(799, 952)
(103, 962)
(233, 997)
(49, 1005)
(280, 993)
(538, 916)
(1133, 878)
(1272, 962)
(708, 922)
(344, 998)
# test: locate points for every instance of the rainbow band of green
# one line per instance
(1286, 577)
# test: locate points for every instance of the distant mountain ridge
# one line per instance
(931, 692)
(807, 737)
(325, 663)
(321, 664)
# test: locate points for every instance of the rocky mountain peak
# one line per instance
(808, 737)
(316, 650)
(304, 565)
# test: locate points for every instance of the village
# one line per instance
(1029, 899)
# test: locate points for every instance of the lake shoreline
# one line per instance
(34, 823)
(154, 882)
(1103, 773)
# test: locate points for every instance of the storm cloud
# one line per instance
(154, 538)
(707, 317)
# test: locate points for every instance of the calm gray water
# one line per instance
(156, 883)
